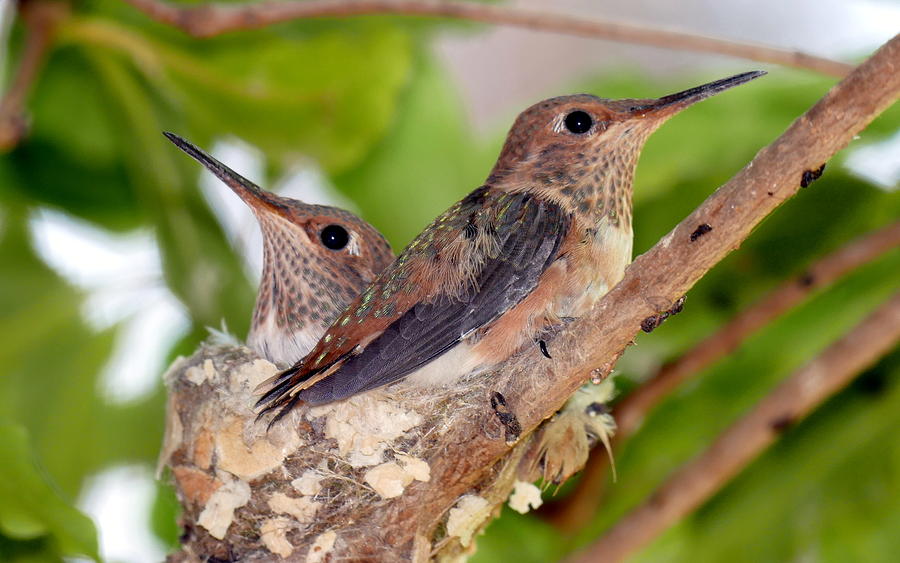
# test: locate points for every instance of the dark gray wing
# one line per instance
(532, 232)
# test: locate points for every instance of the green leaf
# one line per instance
(689, 419)
(517, 537)
(30, 508)
(72, 110)
(291, 97)
(826, 488)
(33, 299)
(164, 514)
(72, 159)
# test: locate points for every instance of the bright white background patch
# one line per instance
(878, 163)
(122, 277)
(119, 500)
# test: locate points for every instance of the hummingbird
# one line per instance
(316, 259)
(547, 234)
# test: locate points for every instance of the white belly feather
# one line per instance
(282, 347)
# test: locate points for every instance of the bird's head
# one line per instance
(582, 149)
(316, 257)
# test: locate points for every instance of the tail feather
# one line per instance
(290, 404)
(288, 385)
(278, 385)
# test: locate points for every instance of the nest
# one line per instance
(320, 484)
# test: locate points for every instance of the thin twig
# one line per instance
(40, 20)
(206, 20)
(578, 507)
(737, 446)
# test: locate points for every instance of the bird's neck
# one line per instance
(597, 194)
(595, 185)
(288, 274)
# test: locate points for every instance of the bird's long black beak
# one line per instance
(673, 103)
(252, 194)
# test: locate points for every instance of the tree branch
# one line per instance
(737, 446)
(451, 469)
(631, 410)
(207, 20)
(40, 20)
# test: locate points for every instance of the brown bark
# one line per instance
(41, 19)
(470, 466)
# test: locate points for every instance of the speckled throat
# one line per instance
(595, 186)
(300, 293)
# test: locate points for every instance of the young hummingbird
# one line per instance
(316, 259)
(543, 239)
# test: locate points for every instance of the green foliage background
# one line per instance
(369, 102)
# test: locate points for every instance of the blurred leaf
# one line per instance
(72, 157)
(692, 417)
(34, 301)
(520, 538)
(288, 97)
(40, 550)
(164, 517)
(294, 98)
(419, 26)
(73, 110)
(30, 508)
(52, 362)
(826, 489)
(200, 266)
(817, 221)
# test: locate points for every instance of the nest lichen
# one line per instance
(292, 490)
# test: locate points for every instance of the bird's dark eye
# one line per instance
(578, 122)
(334, 237)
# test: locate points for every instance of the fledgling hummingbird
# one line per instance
(316, 259)
(543, 239)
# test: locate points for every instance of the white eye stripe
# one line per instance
(559, 125)
(353, 247)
